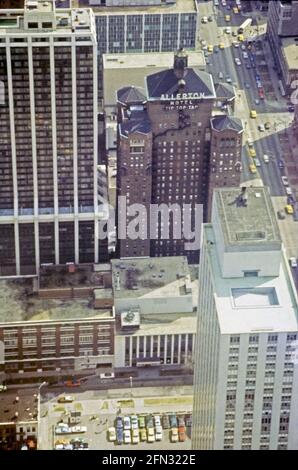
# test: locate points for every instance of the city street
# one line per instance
(273, 109)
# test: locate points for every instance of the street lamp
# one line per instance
(38, 409)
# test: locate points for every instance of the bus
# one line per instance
(244, 25)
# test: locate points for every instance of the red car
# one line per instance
(181, 433)
(261, 93)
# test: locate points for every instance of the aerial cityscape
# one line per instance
(148, 226)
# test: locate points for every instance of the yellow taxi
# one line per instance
(253, 114)
(227, 18)
(252, 152)
(240, 37)
(252, 168)
(210, 48)
(235, 10)
(289, 209)
(221, 45)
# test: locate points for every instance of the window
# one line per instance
(250, 273)
(32, 25)
(47, 25)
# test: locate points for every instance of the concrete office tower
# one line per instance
(49, 209)
(180, 102)
(246, 371)
(225, 154)
(282, 30)
(134, 167)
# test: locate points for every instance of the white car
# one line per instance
(289, 191)
(112, 434)
(285, 180)
(228, 80)
(134, 422)
(228, 30)
(126, 437)
(243, 47)
(65, 399)
(204, 19)
(237, 61)
(293, 262)
(78, 429)
(107, 375)
(158, 433)
(257, 162)
(157, 421)
(235, 44)
(266, 158)
(126, 423)
(250, 142)
(220, 75)
(245, 55)
(174, 436)
(261, 127)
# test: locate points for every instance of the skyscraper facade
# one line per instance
(49, 203)
(246, 370)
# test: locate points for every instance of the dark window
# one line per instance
(32, 25)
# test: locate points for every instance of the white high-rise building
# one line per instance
(246, 364)
(50, 200)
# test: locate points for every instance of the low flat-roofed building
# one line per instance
(18, 420)
(157, 340)
(152, 285)
(289, 63)
(52, 338)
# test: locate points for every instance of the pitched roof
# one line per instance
(223, 122)
(166, 83)
(137, 122)
(224, 90)
(130, 94)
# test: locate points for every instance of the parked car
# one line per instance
(289, 191)
(165, 422)
(126, 423)
(158, 433)
(107, 375)
(281, 164)
(157, 421)
(210, 18)
(257, 162)
(261, 127)
(135, 438)
(285, 180)
(267, 125)
(181, 421)
(252, 168)
(281, 214)
(127, 436)
(142, 423)
(173, 421)
(174, 436)
(119, 434)
(204, 19)
(252, 152)
(134, 422)
(149, 421)
(112, 437)
(293, 262)
(188, 420)
(143, 435)
(78, 429)
(181, 433)
(150, 435)
(119, 423)
(65, 399)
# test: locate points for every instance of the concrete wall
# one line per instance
(156, 305)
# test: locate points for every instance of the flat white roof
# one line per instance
(275, 309)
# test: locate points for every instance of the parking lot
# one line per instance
(95, 412)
